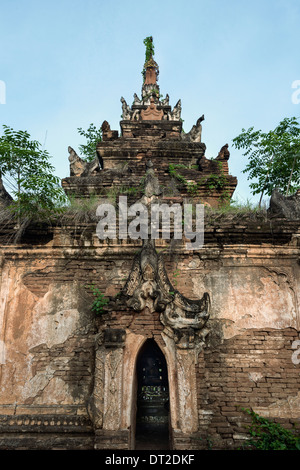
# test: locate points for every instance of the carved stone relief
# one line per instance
(113, 389)
(175, 114)
(152, 113)
(79, 167)
(95, 405)
(194, 135)
(126, 111)
(149, 107)
(105, 404)
(148, 285)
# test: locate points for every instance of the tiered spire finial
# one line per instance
(150, 70)
(150, 107)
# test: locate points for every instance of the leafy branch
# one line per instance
(36, 192)
(93, 136)
(272, 157)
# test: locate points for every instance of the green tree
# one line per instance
(93, 136)
(35, 190)
(273, 157)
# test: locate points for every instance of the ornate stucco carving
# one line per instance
(95, 403)
(152, 113)
(165, 101)
(80, 167)
(126, 111)
(176, 112)
(195, 133)
(104, 406)
(287, 207)
(148, 285)
(150, 107)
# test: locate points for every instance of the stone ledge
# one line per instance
(106, 439)
(44, 424)
(39, 410)
(46, 442)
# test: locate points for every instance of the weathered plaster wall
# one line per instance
(250, 287)
(48, 331)
(249, 358)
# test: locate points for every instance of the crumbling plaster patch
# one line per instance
(56, 320)
(250, 297)
(286, 408)
(28, 322)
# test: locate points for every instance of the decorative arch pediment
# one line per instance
(148, 285)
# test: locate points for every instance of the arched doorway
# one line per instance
(152, 417)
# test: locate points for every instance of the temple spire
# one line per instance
(150, 70)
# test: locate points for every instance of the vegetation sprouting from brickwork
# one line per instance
(267, 435)
(149, 53)
(148, 41)
(100, 300)
(213, 182)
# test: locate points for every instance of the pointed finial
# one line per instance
(150, 71)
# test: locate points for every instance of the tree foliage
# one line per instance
(35, 189)
(273, 157)
(93, 135)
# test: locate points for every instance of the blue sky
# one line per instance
(66, 64)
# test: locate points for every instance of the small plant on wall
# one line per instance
(213, 182)
(266, 435)
(100, 300)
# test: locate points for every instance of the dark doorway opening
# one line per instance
(152, 418)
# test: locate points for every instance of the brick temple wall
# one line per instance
(253, 370)
(48, 334)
